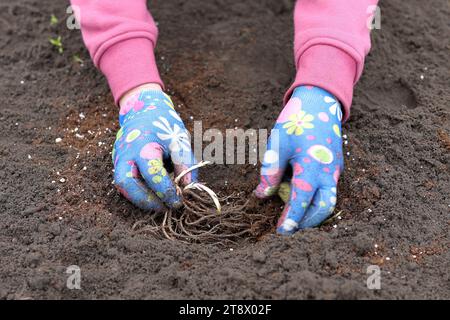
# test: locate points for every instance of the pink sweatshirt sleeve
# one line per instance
(120, 36)
(331, 41)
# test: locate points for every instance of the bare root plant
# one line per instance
(202, 220)
(199, 221)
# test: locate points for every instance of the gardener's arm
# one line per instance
(332, 39)
(120, 37)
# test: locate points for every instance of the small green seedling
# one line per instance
(77, 59)
(53, 20)
(56, 42)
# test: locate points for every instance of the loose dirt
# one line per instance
(228, 64)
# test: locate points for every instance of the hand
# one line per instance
(307, 136)
(151, 132)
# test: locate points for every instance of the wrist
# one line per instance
(146, 86)
(310, 93)
(138, 101)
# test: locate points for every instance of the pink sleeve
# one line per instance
(332, 38)
(120, 36)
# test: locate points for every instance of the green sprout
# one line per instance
(56, 42)
(77, 59)
(53, 20)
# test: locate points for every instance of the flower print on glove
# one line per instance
(151, 132)
(307, 136)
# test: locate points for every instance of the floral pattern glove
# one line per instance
(151, 132)
(307, 135)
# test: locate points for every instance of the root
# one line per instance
(199, 222)
(204, 220)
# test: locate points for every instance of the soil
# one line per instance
(222, 61)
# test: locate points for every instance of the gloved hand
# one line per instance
(307, 135)
(151, 131)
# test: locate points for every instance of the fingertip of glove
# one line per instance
(264, 192)
(287, 228)
(284, 233)
(258, 193)
(177, 205)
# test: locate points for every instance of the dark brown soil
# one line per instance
(223, 60)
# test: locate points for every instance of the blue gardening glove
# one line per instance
(151, 131)
(307, 136)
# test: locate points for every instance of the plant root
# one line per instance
(206, 218)
(199, 221)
